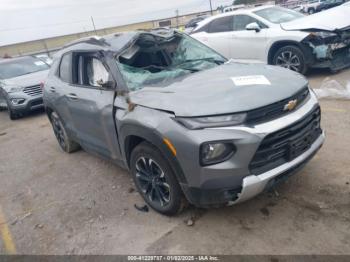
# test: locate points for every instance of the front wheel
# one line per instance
(12, 114)
(65, 142)
(290, 57)
(155, 180)
(311, 11)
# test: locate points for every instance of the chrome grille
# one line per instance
(33, 90)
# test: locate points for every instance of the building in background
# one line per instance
(50, 45)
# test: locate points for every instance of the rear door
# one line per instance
(248, 44)
(91, 105)
(217, 35)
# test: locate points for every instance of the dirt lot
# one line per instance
(55, 203)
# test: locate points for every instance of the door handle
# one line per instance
(52, 89)
(72, 96)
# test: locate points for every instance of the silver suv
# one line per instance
(187, 123)
(21, 82)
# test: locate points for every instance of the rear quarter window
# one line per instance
(64, 71)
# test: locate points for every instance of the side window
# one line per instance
(65, 68)
(241, 21)
(96, 72)
(92, 72)
(222, 24)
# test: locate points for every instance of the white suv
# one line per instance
(279, 36)
(311, 6)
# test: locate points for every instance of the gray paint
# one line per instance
(91, 121)
(212, 92)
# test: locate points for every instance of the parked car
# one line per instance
(186, 122)
(233, 8)
(327, 4)
(311, 7)
(193, 23)
(45, 58)
(279, 36)
(21, 84)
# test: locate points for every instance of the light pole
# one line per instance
(211, 7)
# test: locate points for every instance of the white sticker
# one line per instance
(39, 63)
(250, 80)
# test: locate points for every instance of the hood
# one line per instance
(229, 88)
(27, 80)
(328, 20)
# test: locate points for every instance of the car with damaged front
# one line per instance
(280, 36)
(21, 81)
(188, 124)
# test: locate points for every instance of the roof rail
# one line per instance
(94, 40)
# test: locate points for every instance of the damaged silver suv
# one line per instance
(187, 123)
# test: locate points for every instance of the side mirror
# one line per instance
(253, 26)
(105, 84)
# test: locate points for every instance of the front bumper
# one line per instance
(233, 181)
(340, 59)
(30, 103)
(253, 185)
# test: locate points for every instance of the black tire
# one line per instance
(12, 114)
(65, 142)
(290, 57)
(311, 11)
(150, 181)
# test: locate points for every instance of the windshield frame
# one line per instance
(18, 61)
(289, 11)
(166, 81)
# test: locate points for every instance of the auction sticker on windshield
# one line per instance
(250, 80)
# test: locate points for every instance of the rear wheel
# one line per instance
(290, 57)
(155, 180)
(311, 11)
(65, 142)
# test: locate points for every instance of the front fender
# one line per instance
(134, 125)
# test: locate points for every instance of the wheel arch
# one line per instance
(282, 43)
(132, 135)
(48, 111)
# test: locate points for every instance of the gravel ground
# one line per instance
(55, 203)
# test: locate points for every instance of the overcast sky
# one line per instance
(25, 20)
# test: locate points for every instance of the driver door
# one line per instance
(91, 105)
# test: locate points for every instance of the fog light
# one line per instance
(17, 101)
(216, 152)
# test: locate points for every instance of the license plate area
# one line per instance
(299, 146)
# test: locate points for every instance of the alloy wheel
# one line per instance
(152, 181)
(288, 59)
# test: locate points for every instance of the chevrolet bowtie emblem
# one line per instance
(291, 105)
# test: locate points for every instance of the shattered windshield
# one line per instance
(278, 15)
(153, 61)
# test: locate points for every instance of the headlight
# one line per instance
(216, 152)
(322, 34)
(14, 89)
(212, 121)
(17, 101)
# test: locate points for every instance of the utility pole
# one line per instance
(93, 24)
(177, 18)
(211, 7)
